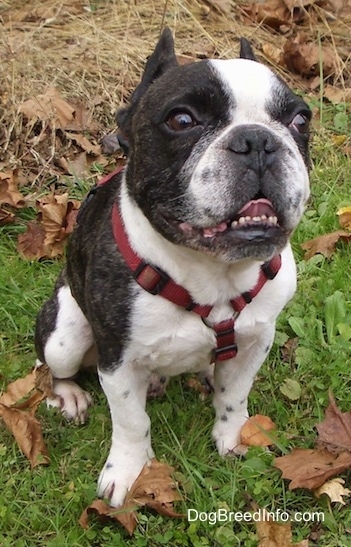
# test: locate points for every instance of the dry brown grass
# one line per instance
(94, 51)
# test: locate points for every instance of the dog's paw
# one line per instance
(227, 437)
(118, 476)
(71, 399)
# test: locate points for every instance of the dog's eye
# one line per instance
(300, 123)
(181, 121)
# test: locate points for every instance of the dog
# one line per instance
(182, 258)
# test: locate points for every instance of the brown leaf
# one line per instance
(324, 244)
(297, 4)
(304, 57)
(310, 468)
(50, 108)
(39, 382)
(9, 193)
(84, 143)
(47, 238)
(273, 53)
(272, 13)
(337, 94)
(253, 431)
(334, 433)
(344, 215)
(27, 431)
(154, 488)
(274, 534)
(31, 243)
(106, 513)
(222, 6)
(17, 407)
(6, 217)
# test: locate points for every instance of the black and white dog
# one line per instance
(182, 258)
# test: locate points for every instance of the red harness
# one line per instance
(156, 281)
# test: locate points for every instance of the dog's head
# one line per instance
(218, 153)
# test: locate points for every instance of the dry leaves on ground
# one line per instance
(10, 196)
(335, 490)
(47, 236)
(274, 534)
(311, 468)
(154, 489)
(326, 243)
(17, 409)
(254, 432)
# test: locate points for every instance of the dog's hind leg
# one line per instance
(63, 338)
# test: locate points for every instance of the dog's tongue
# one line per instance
(257, 208)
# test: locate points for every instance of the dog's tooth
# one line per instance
(242, 220)
(248, 218)
(263, 217)
(273, 220)
(256, 219)
(234, 223)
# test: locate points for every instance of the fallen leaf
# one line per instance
(310, 468)
(337, 95)
(291, 389)
(17, 408)
(106, 513)
(6, 217)
(344, 215)
(31, 243)
(272, 13)
(253, 431)
(297, 4)
(222, 6)
(84, 143)
(38, 379)
(324, 244)
(28, 434)
(47, 237)
(334, 489)
(50, 108)
(199, 386)
(334, 433)
(53, 210)
(273, 53)
(154, 488)
(305, 57)
(9, 193)
(275, 534)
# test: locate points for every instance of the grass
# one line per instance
(42, 507)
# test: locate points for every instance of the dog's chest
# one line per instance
(170, 340)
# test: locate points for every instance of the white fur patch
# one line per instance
(71, 338)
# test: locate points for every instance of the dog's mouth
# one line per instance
(256, 220)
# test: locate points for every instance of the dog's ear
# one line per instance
(246, 51)
(162, 59)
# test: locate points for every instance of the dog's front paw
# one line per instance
(119, 474)
(71, 399)
(226, 434)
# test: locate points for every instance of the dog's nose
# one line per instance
(255, 146)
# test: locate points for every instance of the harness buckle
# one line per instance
(150, 278)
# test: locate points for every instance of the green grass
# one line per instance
(42, 507)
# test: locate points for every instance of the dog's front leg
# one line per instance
(125, 389)
(233, 380)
